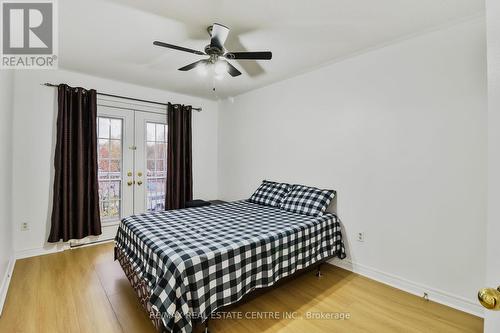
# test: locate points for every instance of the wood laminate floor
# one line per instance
(84, 290)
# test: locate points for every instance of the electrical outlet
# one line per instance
(25, 226)
(361, 236)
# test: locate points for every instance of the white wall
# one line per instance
(6, 83)
(492, 319)
(400, 133)
(33, 136)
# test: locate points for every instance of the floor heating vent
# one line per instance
(73, 245)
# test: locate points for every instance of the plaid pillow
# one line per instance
(270, 193)
(307, 200)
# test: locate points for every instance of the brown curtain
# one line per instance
(179, 157)
(75, 210)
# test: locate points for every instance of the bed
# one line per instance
(186, 264)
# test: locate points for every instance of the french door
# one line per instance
(132, 160)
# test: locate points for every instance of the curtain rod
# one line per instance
(123, 97)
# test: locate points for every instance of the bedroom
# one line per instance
(392, 108)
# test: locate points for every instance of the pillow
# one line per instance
(270, 193)
(307, 200)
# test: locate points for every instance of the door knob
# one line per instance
(489, 298)
(139, 174)
(139, 183)
(129, 183)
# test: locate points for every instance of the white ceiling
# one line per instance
(113, 38)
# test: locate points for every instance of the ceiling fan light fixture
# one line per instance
(202, 69)
(220, 68)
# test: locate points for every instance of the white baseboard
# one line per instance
(58, 248)
(39, 251)
(439, 296)
(4, 287)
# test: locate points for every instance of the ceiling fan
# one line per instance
(215, 50)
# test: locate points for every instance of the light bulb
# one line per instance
(202, 69)
(220, 68)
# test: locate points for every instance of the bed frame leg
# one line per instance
(206, 327)
(318, 273)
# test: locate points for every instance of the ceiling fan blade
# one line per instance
(219, 35)
(191, 66)
(179, 48)
(249, 55)
(233, 71)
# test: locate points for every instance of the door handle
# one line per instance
(130, 183)
(139, 183)
(489, 298)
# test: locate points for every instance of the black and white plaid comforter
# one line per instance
(199, 259)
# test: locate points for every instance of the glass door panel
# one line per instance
(156, 168)
(109, 167)
(150, 161)
(114, 128)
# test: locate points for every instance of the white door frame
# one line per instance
(133, 169)
(492, 318)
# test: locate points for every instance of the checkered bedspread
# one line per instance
(199, 259)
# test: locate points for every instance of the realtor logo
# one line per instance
(28, 34)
